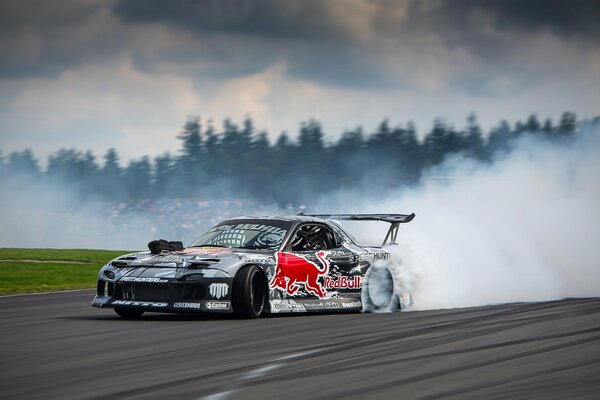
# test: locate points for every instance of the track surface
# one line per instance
(57, 346)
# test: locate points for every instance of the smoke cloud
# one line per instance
(524, 228)
(54, 216)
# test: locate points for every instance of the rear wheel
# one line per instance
(129, 313)
(378, 292)
(249, 293)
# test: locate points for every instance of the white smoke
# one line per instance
(45, 215)
(525, 228)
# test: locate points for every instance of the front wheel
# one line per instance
(129, 313)
(249, 293)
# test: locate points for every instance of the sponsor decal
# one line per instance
(218, 290)
(352, 304)
(278, 306)
(187, 305)
(141, 279)
(406, 300)
(251, 227)
(209, 251)
(292, 269)
(371, 257)
(263, 261)
(161, 258)
(234, 235)
(343, 282)
(193, 277)
(286, 306)
(138, 303)
(217, 305)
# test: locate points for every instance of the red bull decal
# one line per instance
(343, 282)
(292, 269)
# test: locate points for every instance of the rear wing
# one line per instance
(394, 219)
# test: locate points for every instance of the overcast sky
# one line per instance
(127, 74)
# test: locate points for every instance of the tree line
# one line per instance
(240, 162)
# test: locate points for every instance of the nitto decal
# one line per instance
(138, 303)
(187, 305)
(343, 282)
(218, 290)
(292, 269)
(217, 305)
(138, 279)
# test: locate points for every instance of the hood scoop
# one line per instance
(123, 261)
(203, 263)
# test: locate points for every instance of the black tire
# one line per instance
(379, 291)
(129, 313)
(249, 293)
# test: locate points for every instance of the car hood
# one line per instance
(195, 258)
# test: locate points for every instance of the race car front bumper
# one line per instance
(210, 295)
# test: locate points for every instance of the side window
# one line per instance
(309, 237)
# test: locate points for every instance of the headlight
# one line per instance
(109, 274)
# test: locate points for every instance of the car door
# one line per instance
(314, 264)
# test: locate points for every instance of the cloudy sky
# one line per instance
(126, 74)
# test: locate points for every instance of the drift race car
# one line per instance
(251, 266)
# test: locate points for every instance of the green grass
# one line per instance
(78, 269)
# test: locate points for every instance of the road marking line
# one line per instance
(257, 373)
(219, 396)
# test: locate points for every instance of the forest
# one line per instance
(239, 162)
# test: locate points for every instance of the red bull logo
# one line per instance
(343, 282)
(292, 269)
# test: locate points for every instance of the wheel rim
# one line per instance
(257, 294)
(381, 287)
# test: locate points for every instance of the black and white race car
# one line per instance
(250, 266)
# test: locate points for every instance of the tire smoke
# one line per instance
(524, 228)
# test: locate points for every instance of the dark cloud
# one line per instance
(320, 41)
(313, 20)
(45, 38)
(306, 35)
(306, 20)
(572, 18)
(320, 46)
(475, 24)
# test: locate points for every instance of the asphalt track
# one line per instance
(56, 346)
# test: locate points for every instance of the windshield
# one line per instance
(245, 234)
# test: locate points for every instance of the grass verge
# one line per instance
(43, 270)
